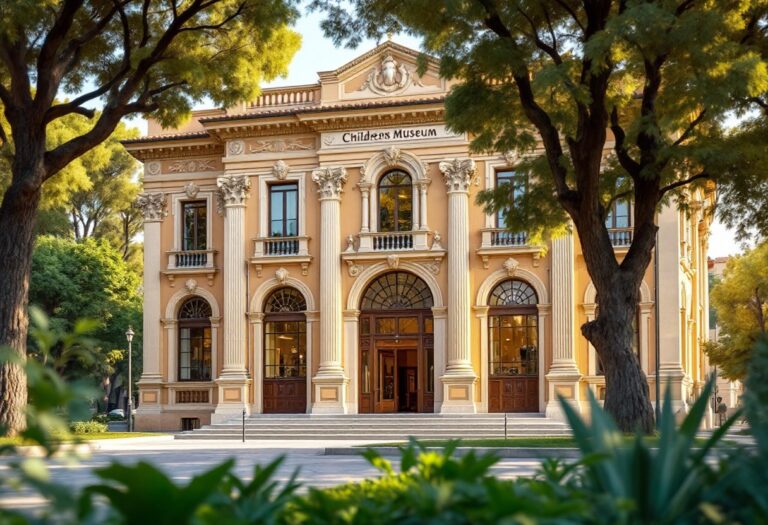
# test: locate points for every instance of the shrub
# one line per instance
(88, 427)
(100, 418)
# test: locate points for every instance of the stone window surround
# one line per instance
(177, 202)
(280, 173)
(381, 163)
(481, 310)
(170, 323)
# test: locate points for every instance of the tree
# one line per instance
(740, 300)
(652, 81)
(152, 57)
(72, 281)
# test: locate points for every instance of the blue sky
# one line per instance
(318, 53)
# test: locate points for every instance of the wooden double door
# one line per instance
(396, 363)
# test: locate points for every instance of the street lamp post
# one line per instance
(129, 337)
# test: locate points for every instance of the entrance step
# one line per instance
(386, 427)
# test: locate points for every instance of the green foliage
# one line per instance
(74, 280)
(88, 427)
(616, 481)
(740, 300)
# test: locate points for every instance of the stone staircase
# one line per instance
(383, 427)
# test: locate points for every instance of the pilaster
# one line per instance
(330, 381)
(459, 379)
(153, 208)
(233, 382)
(563, 376)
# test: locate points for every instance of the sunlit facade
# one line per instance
(319, 250)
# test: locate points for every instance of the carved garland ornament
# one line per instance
(233, 190)
(458, 174)
(330, 182)
(191, 166)
(152, 206)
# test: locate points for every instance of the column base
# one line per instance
(458, 394)
(674, 378)
(330, 394)
(232, 398)
(565, 383)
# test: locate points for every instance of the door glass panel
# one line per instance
(285, 349)
(385, 325)
(429, 325)
(387, 377)
(408, 325)
(366, 372)
(430, 386)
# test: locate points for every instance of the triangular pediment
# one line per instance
(388, 71)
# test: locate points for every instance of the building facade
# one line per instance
(319, 250)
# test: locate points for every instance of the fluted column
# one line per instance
(153, 208)
(233, 382)
(460, 377)
(330, 381)
(563, 375)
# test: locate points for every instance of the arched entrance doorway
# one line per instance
(397, 360)
(513, 348)
(285, 352)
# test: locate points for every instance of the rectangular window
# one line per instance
(195, 354)
(194, 225)
(618, 216)
(517, 184)
(284, 210)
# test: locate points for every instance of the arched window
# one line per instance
(513, 330)
(285, 335)
(397, 291)
(395, 202)
(195, 340)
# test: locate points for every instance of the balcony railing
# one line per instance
(620, 237)
(280, 246)
(500, 238)
(182, 259)
(392, 241)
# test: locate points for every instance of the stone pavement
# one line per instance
(183, 459)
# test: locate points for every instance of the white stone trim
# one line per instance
(177, 200)
(377, 166)
(171, 309)
(366, 276)
(267, 179)
(482, 309)
(261, 293)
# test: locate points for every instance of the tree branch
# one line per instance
(571, 12)
(625, 160)
(683, 182)
(221, 24)
(687, 133)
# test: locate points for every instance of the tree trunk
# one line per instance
(627, 397)
(18, 213)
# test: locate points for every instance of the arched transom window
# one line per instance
(285, 335)
(397, 291)
(511, 293)
(195, 340)
(513, 330)
(285, 300)
(395, 202)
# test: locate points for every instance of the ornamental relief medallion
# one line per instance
(153, 168)
(390, 77)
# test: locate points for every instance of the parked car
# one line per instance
(118, 412)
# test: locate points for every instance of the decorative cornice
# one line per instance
(458, 174)
(234, 190)
(152, 206)
(330, 182)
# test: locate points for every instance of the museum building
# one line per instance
(319, 250)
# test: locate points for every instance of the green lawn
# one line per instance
(523, 442)
(84, 437)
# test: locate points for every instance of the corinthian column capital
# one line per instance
(233, 190)
(458, 174)
(152, 206)
(330, 182)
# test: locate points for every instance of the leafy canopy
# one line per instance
(740, 300)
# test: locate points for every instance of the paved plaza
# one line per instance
(184, 459)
